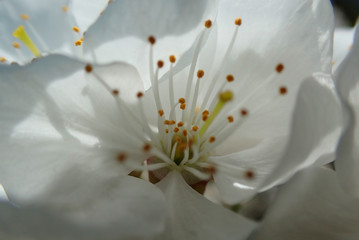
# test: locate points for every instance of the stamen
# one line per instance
(200, 175)
(121, 157)
(195, 128)
(147, 147)
(183, 106)
(249, 174)
(208, 23)
(283, 90)
(2, 59)
(88, 68)
(184, 132)
(21, 34)
(115, 92)
(16, 45)
(78, 43)
(75, 29)
(139, 94)
(161, 112)
(238, 21)
(152, 40)
(244, 112)
(24, 17)
(180, 124)
(212, 139)
(200, 74)
(65, 8)
(181, 100)
(230, 119)
(279, 68)
(172, 59)
(230, 78)
(176, 129)
(160, 64)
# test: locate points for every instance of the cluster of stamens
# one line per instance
(189, 130)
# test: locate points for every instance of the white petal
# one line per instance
(52, 120)
(282, 30)
(311, 206)
(122, 206)
(191, 216)
(343, 42)
(86, 12)
(347, 163)
(175, 24)
(315, 130)
(230, 177)
(89, 207)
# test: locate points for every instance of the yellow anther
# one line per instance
(78, 42)
(184, 132)
(230, 119)
(249, 174)
(65, 8)
(24, 17)
(205, 112)
(21, 34)
(182, 100)
(166, 122)
(238, 21)
(161, 112)
(76, 29)
(172, 59)
(204, 118)
(183, 106)
(212, 139)
(2, 59)
(176, 129)
(226, 96)
(208, 23)
(166, 130)
(16, 45)
(180, 124)
(195, 128)
(172, 122)
(200, 73)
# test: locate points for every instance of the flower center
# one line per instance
(191, 126)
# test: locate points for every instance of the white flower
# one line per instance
(223, 110)
(35, 28)
(347, 80)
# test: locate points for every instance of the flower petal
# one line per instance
(347, 163)
(86, 205)
(238, 175)
(175, 25)
(312, 205)
(191, 216)
(343, 42)
(316, 127)
(53, 118)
